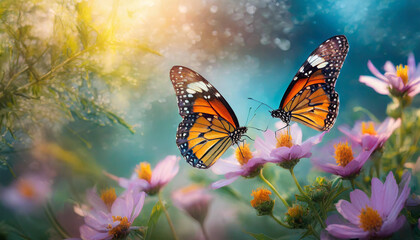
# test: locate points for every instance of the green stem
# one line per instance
(279, 222)
(167, 217)
(273, 188)
(310, 201)
(204, 231)
(314, 233)
(352, 183)
(50, 215)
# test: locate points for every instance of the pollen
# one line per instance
(26, 189)
(295, 211)
(284, 140)
(370, 220)
(121, 230)
(144, 171)
(108, 196)
(368, 128)
(261, 195)
(343, 154)
(243, 154)
(402, 72)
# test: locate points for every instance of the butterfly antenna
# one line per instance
(248, 138)
(261, 103)
(259, 129)
(247, 118)
(288, 129)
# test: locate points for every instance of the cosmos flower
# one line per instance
(340, 159)
(376, 217)
(369, 134)
(242, 163)
(116, 223)
(27, 193)
(194, 200)
(285, 148)
(150, 181)
(397, 81)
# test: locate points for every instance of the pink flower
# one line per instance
(339, 159)
(116, 223)
(285, 148)
(397, 80)
(242, 163)
(369, 134)
(194, 200)
(376, 217)
(150, 181)
(27, 193)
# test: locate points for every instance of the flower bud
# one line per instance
(319, 189)
(297, 216)
(262, 202)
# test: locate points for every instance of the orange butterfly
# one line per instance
(209, 126)
(311, 98)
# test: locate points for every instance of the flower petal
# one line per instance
(390, 227)
(223, 166)
(345, 231)
(377, 197)
(411, 66)
(375, 71)
(389, 67)
(399, 203)
(164, 171)
(377, 85)
(296, 134)
(138, 206)
(348, 211)
(359, 199)
(223, 182)
(390, 194)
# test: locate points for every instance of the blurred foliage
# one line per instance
(53, 68)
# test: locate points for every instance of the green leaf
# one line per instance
(154, 217)
(259, 236)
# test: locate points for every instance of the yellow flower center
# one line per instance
(368, 128)
(144, 171)
(25, 188)
(121, 230)
(243, 154)
(108, 196)
(190, 188)
(284, 140)
(260, 196)
(402, 72)
(295, 211)
(370, 220)
(343, 154)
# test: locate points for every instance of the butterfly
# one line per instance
(311, 98)
(209, 125)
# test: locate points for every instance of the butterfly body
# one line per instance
(311, 98)
(209, 126)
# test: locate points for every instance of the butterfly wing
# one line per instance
(208, 124)
(311, 97)
(196, 95)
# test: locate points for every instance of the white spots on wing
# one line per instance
(315, 60)
(180, 68)
(189, 90)
(217, 94)
(301, 69)
(295, 78)
(322, 65)
(197, 87)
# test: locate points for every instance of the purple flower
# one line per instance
(150, 181)
(376, 217)
(285, 148)
(27, 193)
(116, 223)
(242, 163)
(340, 160)
(194, 200)
(397, 80)
(370, 134)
